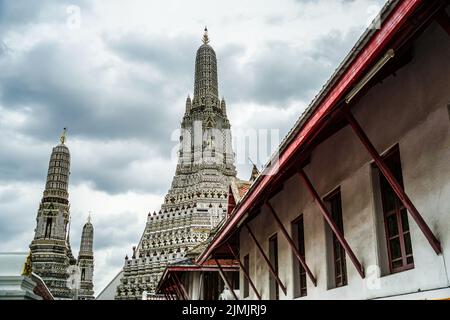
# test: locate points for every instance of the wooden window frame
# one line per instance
(399, 211)
(274, 239)
(339, 261)
(302, 286)
(246, 286)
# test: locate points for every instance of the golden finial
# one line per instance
(63, 136)
(27, 267)
(205, 36)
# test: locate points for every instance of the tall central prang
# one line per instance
(197, 199)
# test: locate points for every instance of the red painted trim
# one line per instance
(200, 268)
(368, 55)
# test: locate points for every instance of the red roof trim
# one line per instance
(201, 268)
(370, 52)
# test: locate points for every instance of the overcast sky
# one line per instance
(117, 75)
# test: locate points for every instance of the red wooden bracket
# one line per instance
(246, 272)
(271, 268)
(398, 189)
(294, 249)
(331, 223)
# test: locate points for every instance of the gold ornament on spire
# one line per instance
(63, 136)
(205, 36)
(27, 267)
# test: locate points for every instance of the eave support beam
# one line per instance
(398, 189)
(334, 228)
(271, 268)
(182, 287)
(174, 294)
(225, 279)
(176, 290)
(294, 249)
(169, 293)
(246, 273)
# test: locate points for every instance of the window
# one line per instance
(300, 288)
(338, 253)
(396, 225)
(246, 282)
(48, 228)
(273, 257)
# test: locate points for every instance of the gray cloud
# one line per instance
(282, 73)
(55, 86)
(61, 89)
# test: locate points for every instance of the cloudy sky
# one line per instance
(117, 75)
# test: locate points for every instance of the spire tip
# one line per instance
(63, 136)
(205, 36)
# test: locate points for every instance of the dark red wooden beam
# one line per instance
(398, 189)
(174, 295)
(182, 287)
(300, 258)
(169, 295)
(246, 272)
(444, 20)
(178, 287)
(175, 289)
(165, 295)
(172, 288)
(271, 268)
(331, 223)
(227, 282)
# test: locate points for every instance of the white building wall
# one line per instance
(410, 109)
(109, 292)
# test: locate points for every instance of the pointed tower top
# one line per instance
(89, 217)
(63, 136)
(205, 81)
(205, 36)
